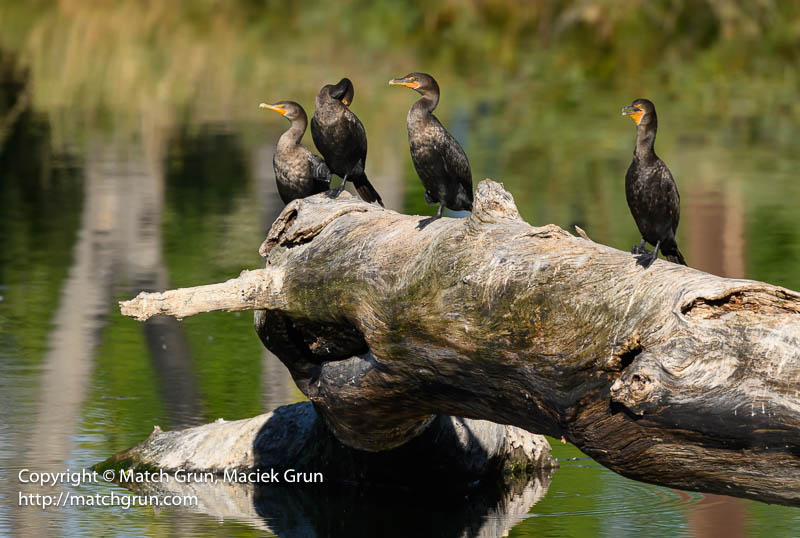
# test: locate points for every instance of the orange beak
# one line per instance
(404, 82)
(634, 112)
(278, 109)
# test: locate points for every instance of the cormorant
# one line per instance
(650, 189)
(298, 172)
(440, 161)
(341, 139)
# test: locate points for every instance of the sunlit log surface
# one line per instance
(667, 375)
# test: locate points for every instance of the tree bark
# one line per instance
(667, 375)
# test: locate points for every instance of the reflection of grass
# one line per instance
(124, 401)
(40, 207)
(771, 520)
(209, 232)
(776, 246)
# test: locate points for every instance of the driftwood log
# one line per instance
(455, 451)
(502, 470)
(667, 375)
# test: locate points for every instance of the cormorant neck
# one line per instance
(645, 141)
(428, 102)
(295, 133)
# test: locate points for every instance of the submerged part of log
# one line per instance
(667, 375)
(454, 451)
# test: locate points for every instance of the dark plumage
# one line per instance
(298, 172)
(438, 158)
(341, 139)
(650, 189)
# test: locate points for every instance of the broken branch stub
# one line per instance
(668, 375)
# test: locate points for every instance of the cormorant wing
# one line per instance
(670, 192)
(457, 164)
(357, 131)
(319, 170)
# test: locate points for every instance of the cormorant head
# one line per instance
(290, 109)
(341, 91)
(347, 97)
(420, 82)
(642, 111)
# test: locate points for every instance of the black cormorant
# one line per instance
(439, 160)
(341, 139)
(298, 172)
(651, 192)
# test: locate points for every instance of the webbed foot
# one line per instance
(338, 190)
(646, 258)
(424, 222)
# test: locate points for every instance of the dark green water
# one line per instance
(121, 176)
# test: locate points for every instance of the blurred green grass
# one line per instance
(210, 61)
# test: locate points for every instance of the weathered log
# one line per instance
(667, 375)
(452, 459)
(504, 470)
(454, 450)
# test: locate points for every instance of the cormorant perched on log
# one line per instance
(298, 172)
(650, 189)
(439, 160)
(341, 139)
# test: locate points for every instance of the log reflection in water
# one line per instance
(313, 510)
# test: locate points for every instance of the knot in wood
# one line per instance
(493, 203)
(633, 390)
